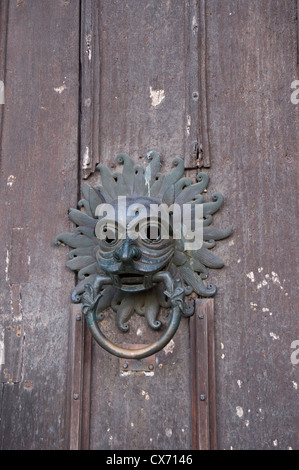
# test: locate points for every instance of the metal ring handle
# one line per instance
(112, 348)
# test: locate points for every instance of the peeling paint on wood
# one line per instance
(157, 96)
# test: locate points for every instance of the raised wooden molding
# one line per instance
(203, 389)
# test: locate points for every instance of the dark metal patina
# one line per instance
(140, 275)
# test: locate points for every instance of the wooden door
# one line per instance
(206, 80)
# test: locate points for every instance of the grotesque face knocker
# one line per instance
(141, 244)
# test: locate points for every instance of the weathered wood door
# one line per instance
(207, 80)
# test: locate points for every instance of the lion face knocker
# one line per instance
(143, 242)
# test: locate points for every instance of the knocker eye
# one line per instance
(108, 233)
(111, 237)
(151, 232)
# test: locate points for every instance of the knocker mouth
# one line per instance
(132, 282)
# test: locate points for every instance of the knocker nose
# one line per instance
(127, 252)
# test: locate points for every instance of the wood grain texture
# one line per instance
(138, 412)
(3, 42)
(248, 56)
(143, 106)
(143, 52)
(90, 87)
(253, 132)
(38, 184)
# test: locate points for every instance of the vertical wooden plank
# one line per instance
(79, 381)
(3, 42)
(38, 183)
(140, 411)
(192, 134)
(202, 365)
(253, 131)
(76, 367)
(142, 107)
(86, 392)
(143, 79)
(197, 153)
(212, 374)
(204, 151)
(90, 87)
(203, 383)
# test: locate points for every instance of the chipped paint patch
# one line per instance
(254, 306)
(168, 432)
(147, 179)
(194, 24)
(266, 310)
(11, 180)
(145, 395)
(157, 96)
(127, 373)
(273, 335)
(239, 411)
(275, 278)
(275, 443)
(169, 347)
(86, 159)
(295, 385)
(269, 279)
(2, 347)
(7, 265)
(247, 423)
(239, 382)
(188, 126)
(251, 276)
(261, 284)
(60, 89)
(139, 332)
(88, 46)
